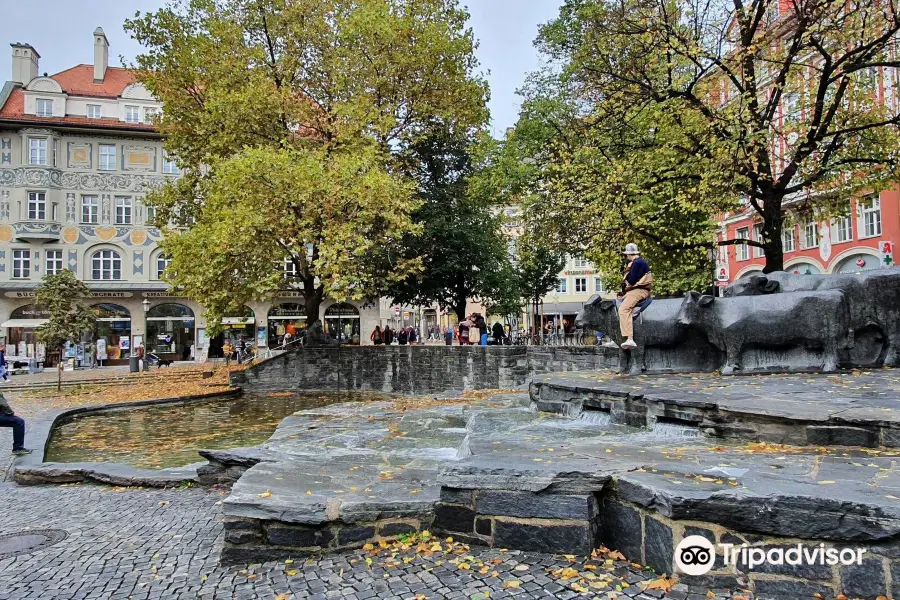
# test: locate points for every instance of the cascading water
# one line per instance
(668, 429)
(601, 418)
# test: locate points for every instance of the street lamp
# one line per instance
(146, 305)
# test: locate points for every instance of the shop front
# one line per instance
(239, 326)
(342, 323)
(21, 332)
(112, 333)
(284, 319)
(170, 331)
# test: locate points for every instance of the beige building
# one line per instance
(78, 153)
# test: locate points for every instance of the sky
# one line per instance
(61, 31)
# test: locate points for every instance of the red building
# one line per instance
(861, 240)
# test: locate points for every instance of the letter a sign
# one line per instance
(887, 253)
(722, 273)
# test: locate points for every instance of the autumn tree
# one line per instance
(462, 249)
(768, 102)
(287, 117)
(65, 299)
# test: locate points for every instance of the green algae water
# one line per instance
(163, 436)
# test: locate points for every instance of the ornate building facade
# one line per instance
(78, 153)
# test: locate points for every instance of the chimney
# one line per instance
(24, 63)
(101, 55)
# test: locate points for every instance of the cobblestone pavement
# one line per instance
(145, 544)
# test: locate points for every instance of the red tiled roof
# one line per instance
(79, 81)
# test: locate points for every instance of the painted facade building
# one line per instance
(78, 153)
(859, 240)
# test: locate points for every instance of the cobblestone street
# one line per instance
(144, 544)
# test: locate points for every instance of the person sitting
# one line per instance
(8, 418)
(637, 283)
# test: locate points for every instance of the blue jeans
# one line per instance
(484, 337)
(18, 427)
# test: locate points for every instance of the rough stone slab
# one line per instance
(544, 537)
(109, 473)
(534, 505)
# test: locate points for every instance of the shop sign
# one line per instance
(579, 272)
(722, 274)
(887, 253)
(160, 295)
(341, 310)
(101, 349)
(93, 294)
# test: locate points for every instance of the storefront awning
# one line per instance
(23, 323)
(565, 308)
(237, 320)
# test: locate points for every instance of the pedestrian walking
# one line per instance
(8, 418)
(448, 335)
(411, 335)
(499, 334)
(464, 326)
(140, 354)
(377, 336)
(637, 283)
(482, 326)
(388, 335)
(3, 365)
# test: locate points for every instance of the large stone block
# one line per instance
(543, 537)
(821, 435)
(865, 580)
(621, 529)
(453, 518)
(350, 534)
(658, 545)
(298, 536)
(527, 505)
(395, 529)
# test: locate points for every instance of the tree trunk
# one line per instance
(59, 369)
(773, 220)
(312, 303)
(459, 307)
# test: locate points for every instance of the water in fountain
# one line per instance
(674, 430)
(601, 418)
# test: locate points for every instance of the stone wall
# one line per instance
(418, 369)
(576, 523)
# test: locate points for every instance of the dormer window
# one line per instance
(150, 114)
(44, 108)
(94, 111)
(132, 114)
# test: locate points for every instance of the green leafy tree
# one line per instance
(463, 252)
(287, 118)
(765, 101)
(65, 298)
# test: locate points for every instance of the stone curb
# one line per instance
(41, 430)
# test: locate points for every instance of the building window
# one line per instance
(149, 114)
(169, 166)
(742, 251)
(90, 210)
(871, 216)
(599, 288)
(132, 114)
(107, 157)
(151, 214)
(37, 151)
(37, 206)
(581, 285)
(54, 262)
(758, 237)
(21, 264)
(579, 262)
(842, 229)
(289, 268)
(787, 238)
(810, 234)
(44, 108)
(123, 210)
(562, 286)
(162, 263)
(94, 111)
(106, 265)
